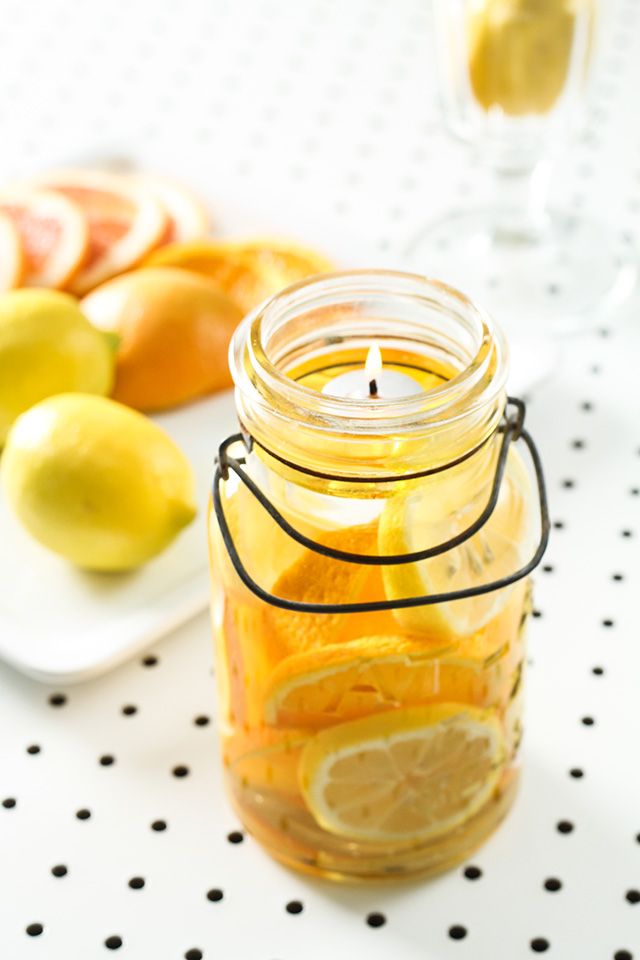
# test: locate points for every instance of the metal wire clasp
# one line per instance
(512, 429)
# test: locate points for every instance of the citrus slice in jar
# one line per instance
(408, 775)
(53, 235)
(341, 682)
(434, 513)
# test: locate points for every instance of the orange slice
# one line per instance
(406, 775)
(265, 759)
(345, 681)
(53, 233)
(125, 221)
(11, 255)
(314, 578)
(187, 218)
(248, 272)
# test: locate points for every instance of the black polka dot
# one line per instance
(83, 814)
(552, 884)
(576, 773)
(113, 943)
(586, 406)
(457, 932)
(136, 883)
(578, 444)
(159, 825)
(57, 699)
(193, 954)
(129, 710)
(633, 896)
(568, 483)
(59, 870)
(587, 721)
(564, 826)
(618, 577)
(607, 623)
(201, 721)
(598, 671)
(472, 873)
(34, 929)
(149, 661)
(106, 760)
(626, 533)
(235, 836)
(180, 771)
(215, 895)
(294, 906)
(635, 491)
(622, 955)
(547, 567)
(539, 945)
(558, 524)
(33, 748)
(376, 919)
(9, 803)
(536, 613)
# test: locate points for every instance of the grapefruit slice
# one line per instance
(125, 221)
(11, 255)
(187, 217)
(53, 234)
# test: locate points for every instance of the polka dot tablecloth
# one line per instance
(318, 119)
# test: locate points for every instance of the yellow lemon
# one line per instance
(408, 774)
(47, 346)
(96, 482)
(435, 512)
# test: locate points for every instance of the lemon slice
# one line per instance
(406, 775)
(344, 681)
(436, 512)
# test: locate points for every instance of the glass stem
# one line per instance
(519, 201)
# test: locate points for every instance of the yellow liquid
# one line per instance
(263, 737)
(519, 53)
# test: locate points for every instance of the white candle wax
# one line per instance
(356, 384)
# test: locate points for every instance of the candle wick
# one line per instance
(373, 388)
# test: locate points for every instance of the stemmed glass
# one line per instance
(512, 76)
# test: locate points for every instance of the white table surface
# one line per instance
(318, 119)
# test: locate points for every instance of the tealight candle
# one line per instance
(373, 381)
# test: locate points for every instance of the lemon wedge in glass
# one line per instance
(407, 775)
(435, 512)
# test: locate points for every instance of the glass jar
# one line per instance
(370, 557)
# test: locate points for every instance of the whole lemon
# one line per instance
(47, 346)
(174, 328)
(96, 482)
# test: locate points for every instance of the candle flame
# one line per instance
(373, 363)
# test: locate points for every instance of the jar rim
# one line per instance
(259, 381)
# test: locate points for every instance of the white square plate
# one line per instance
(58, 623)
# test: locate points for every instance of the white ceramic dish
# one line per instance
(60, 624)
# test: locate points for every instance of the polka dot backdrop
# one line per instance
(318, 119)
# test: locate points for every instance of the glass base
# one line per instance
(298, 842)
(570, 275)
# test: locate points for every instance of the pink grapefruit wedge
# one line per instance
(53, 234)
(125, 221)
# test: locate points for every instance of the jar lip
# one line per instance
(440, 405)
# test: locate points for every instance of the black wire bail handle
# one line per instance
(512, 429)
